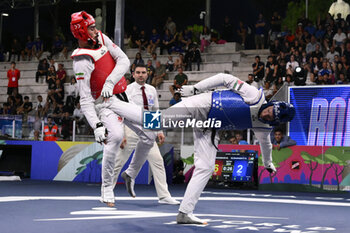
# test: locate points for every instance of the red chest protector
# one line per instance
(104, 65)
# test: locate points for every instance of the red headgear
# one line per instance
(80, 21)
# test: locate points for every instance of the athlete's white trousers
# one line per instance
(154, 158)
(132, 114)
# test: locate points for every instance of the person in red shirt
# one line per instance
(61, 73)
(13, 76)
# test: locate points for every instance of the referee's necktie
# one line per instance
(144, 97)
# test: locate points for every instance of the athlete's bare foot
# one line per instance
(110, 204)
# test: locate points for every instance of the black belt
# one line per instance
(123, 97)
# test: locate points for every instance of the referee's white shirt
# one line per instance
(134, 94)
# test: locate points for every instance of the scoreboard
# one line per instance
(234, 167)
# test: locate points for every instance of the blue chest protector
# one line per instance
(234, 114)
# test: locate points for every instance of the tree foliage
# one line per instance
(296, 11)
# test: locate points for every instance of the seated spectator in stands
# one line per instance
(61, 73)
(268, 91)
(5, 110)
(251, 81)
(320, 32)
(150, 72)
(310, 28)
(169, 64)
(42, 71)
(311, 46)
(167, 42)
(193, 55)
(18, 102)
(28, 49)
(52, 62)
(133, 37)
(310, 79)
(16, 49)
(291, 65)
(178, 44)
(67, 125)
(159, 74)
(154, 59)
(39, 117)
(72, 91)
(13, 75)
(11, 101)
(38, 48)
(318, 53)
(233, 141)
(153, 42)
(26, 107)
(142, 41)
(176, 99)
(325, 69)
(205, 37)
(186, 38)
(239, 137)
(59, 91)
(315, 66)
(179, 80)
(51, 132)
(328, 38)
(331, 53)
(277, 85)
(321, 80)
(342, 79)
(280, 141)
(58, 113)
(271, 69)
(138, 60)
(275, 48)
(258, 68)
(328, 78)
(40, 102)
(51, 78)
(289, 80)
(80, 119)
(299, 31)
(339, 40)
(57, 46)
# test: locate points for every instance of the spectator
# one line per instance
(61, 73)
(80, 119)
(28, 50)
(242, 32)
(159, 74)
(67, 125)
(26, 107)
(275, 48)
(6, 110)
(134, 36)
(205, 37)
(138, 60)
(154, 41)
(176, 99)
(311, 46)
(325, 69)
(167, 42)
(187, 38)
(40, 102)
(278, 84)
(320, 32)
(11, 101)
(289, 80)
(227, 30)
(72, 91)
(169, 64)
(260, 32)
(42, 71)
(59, 91)
(258, 68)
(57, 47)
(317, 53)
(233, 141)
(18, 102)
(280, 141)
(37, 123)
(251, 81)
(192, 55)
(51, 132)
(276, 23)
(142, 41)
(328, 38)
(52, 62)
(339, 40)
(38, 48)
(170, 25)
(13, 75)
(150, 72)
(268, 91)
(179, 80)
(57, 113)
(154, 59)
(271, 69)
(51, 78)
(299, 32)
(328, 78)
(16, 49)
(338, 69)
(291, 65)
(331, 53)
(310, 28)
(342, 79)
(315, 66)
(239, 137)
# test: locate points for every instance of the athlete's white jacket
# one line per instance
(84, 65)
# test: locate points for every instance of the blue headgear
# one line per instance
(282, 111)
